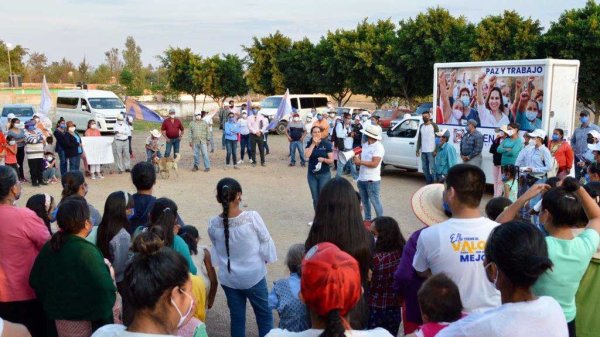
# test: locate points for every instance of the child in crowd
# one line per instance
(11, 153)
(440, 304)
(284, 297)
(495, 206)
(153, 146)
(510, 184)
(330, 286)
(49, 173)
(201, 258)
(92, 131)
(384, 302)
(43, 205)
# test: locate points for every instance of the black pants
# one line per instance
(257, 140)
(29, 313)
(130, 148)
(36, 170)
(571, 327)
(20, 159)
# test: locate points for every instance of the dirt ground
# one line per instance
(278, 192)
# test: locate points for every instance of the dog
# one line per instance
(166, 165)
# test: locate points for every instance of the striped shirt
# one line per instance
(34, 145)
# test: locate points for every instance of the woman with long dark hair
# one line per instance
(338, 220)
(73, 183)
(384, 302)
(242, 246)
(16, 130)
(164, 215)
(43, 206)
(70, 276)
(112, 238)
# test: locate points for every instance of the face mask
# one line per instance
(457, 113)
(437, 141)
(465, 100)
(31, 128)
(510, 133)
(62, 126)
(198, 118)
(504, 178)
(532, 142)
(72, 129)
(531, 115)
(584, 120)
(244, 116)
(587, 178)
(49, 158)
(93, 126)
(183, 318)
(505, 100)
(555, 137)
(12, 142)
(541, 105)
(331, 115)
(296, 119)
(231, 119)
(364, 118)
(18, 125)
(308, 120)
(172, 116)
(319, 117)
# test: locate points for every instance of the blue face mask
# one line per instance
(437, 141)
(584, 120)
(555, 137)
(231, 119)
(319, 117)
(62, 126)
(465, 100)
(587, 178)
(504, 178)
(531, 115)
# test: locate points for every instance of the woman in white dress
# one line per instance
(492, 111)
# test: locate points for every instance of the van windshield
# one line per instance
(106, 103)
(17, 111)
(270, 103)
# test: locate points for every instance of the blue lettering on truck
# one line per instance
(522, 70)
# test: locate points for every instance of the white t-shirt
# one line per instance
(1, 326)
(377, 332)
(118, 330)
(487, 117)
(455, 247)
(541, 317)
(368, 152)
(427, 138)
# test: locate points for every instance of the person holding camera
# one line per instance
(344, 142)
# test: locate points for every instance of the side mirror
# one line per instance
(389, 133)
(84, 107)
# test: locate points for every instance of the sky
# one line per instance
(87, 28)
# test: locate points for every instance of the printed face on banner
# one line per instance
(492, 96)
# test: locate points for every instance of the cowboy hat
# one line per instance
(372, 131)
(155, 133)
(427, 204)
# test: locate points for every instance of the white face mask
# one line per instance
(457, 113)
(183, 318)
(296, 119)
(19, 126)
(72, 129)
(198, 117)
(308, 120)
(93, 126)
(332, 115)
(532, 142)
(172, 116)
(12, 142)
(244, 116)
(49, 158)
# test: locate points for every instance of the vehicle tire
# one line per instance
(280, 128)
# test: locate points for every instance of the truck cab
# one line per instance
(80, 106)
(400, 143)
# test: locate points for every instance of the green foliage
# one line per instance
(183, 69)
(101, 75)
(335, 65)
(506, 37)
(17, 55)
(264, 74)
(576, 35)
(299, 67)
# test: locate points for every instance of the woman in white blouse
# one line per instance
(492, 112)
(242, 246)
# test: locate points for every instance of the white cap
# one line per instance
(171, 111)
(594, 134)
(594, 147)
(537, 133)
(11, 116)
(120, 117)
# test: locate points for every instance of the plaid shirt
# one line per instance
(471, 144)
(382, 294)
(199, 132)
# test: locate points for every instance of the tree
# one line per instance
(264, 75)
(113, 60)
(36, 65)
(334, 66)
(576, 35)
(433, 36)
(299, 67)
(182, 67)
(101, 75)
(223, 77)
(375, 62)
(16, 61)
(83, 70)
(61, 72)
(506, 37)
(132, 55)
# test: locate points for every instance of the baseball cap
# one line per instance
(537, 133)
(330, 279)
(594, 134)
(171, 111)
(443, 133)
(120, 117)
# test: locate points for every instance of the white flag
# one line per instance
(284, 109)
(46, 99)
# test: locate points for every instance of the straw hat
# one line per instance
(427, 204)
(155, 133)
(372, 131)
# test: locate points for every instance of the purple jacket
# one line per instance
(406, 280)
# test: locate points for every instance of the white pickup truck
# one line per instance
(400, 144)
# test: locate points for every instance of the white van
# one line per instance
(80, 106)
(302, 103)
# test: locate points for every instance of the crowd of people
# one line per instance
(529, 267)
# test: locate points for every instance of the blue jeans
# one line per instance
(236, 301)
(201, 148)
(62, 162)
(74, 163)
(369, 194)
(231, 146)
(297, 145)
(427, 163)
(349, 163)
(266, 137)
(535, 219)
(223, 144)
(150, 154)
(316, 183)
(49, 173)
(245, 146)
(212, 142)
(174, 143)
